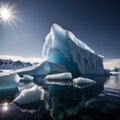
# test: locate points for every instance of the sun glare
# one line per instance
(6, 13)
(5, 107)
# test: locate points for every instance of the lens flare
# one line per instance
(6, 13)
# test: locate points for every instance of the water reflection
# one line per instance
(62, 100)
(66, 100)
(5, 106)
(7, 95)
(61, 83)
(113, 82)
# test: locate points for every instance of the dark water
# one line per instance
(64, 101)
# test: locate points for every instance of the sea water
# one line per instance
(67, 102)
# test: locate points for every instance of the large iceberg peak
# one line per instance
(58, 34)
(57, 30)
(56, 27)
(63, 47)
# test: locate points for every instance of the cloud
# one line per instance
(112, 63)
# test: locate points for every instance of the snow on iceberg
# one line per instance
(63, 47)
(59, 76)
(43, 68)
(28, 96)
(8, 80)
(83, 82)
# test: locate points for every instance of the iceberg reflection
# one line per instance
(65, 101)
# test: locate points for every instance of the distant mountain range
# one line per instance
(112, 63)
(6, 63)
(10, 64)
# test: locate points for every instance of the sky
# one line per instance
(95, 22)
(111, 64)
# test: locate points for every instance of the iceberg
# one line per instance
(59, 76)
(63, 47)
(26, 78)
(43, 68)
(59, 79)
(28, 96)
(83, 82)
(23, 85)
(8, 80)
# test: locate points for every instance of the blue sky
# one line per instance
(95, 22)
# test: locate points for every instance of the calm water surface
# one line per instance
(65, 101)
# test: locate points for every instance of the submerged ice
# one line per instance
(63, 47)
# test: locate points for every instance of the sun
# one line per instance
(6, 13)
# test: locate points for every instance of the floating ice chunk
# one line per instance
(43, 68)
(63, 47)
(24, 85)
(60, 76)
(28, 96)
(26, 78)
(8, 80)
(83, 82)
